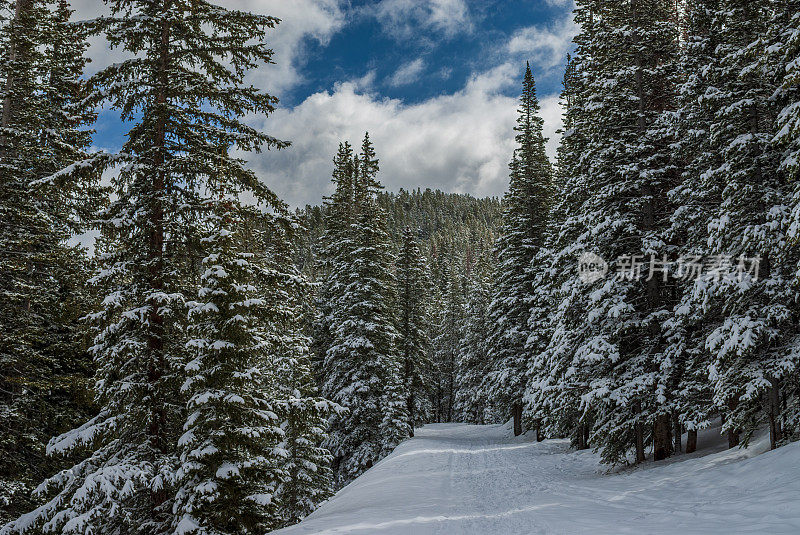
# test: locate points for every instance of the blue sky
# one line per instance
(434, 81)
(447, 56)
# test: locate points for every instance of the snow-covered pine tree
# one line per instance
(628, 78)
(750, 317)
(43, 362)
(231, 451)
(696, 198)
(304, 414)
(309, 478)
(553, 395)
(334, 246)
(785, 51)
(527, 204)
(449, 328)
(471, 364)
(360, 367)
(413, 294)
(182, 83)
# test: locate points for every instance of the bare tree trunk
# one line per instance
(733, 434)
(410, 400)
(691, 441)
(516, 412)
(581, 437)
(677, 429)
(638, 430)
(539, 435)
(774, 410)
(662, 443)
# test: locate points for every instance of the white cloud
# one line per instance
(407, 19)
(408, 73)
(460, 142)
(545, 46)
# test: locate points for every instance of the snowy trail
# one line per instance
(461, 479)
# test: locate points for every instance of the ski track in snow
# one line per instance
(454, 479)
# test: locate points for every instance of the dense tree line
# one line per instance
(206, 417)
(392, 271)
(677, 172)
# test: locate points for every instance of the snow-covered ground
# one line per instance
(460, 479)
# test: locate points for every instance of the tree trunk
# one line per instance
(677, 429)
(410, 406)
(639, 432)
(516, 412)
(580, 436)
(662, 443)
(733, 434)
(539, 435)
(774, 410)
(410, 400)
(156, 321)
(733, 438)
(586, 431)
(691, 441)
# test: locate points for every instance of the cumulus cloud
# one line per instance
(545, 46)
(408, 73)
(405, 19)
(457, 142)
(460, 142)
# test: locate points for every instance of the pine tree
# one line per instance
(627, 66)
(43, 359)
(471, 364)
(304, 414)
(554, 390)
(412, 315)
(183, 83)
(749, 315)
(360, 366)
(231, 452)
(695, 198)
(785, 51)
(449, 329)
(526, 207)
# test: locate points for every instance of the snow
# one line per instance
(464, 479)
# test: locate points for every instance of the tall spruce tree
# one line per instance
(231, 451)
(785, 50)
(626, 62)
(182, 83)
(449, 328)
(525, 219)
(412, 322)
(471, 364)
(552, 392)
(304, 414)
(750, 314)
(360, 366)
(43, 361)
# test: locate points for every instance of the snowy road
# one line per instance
(459, 479)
